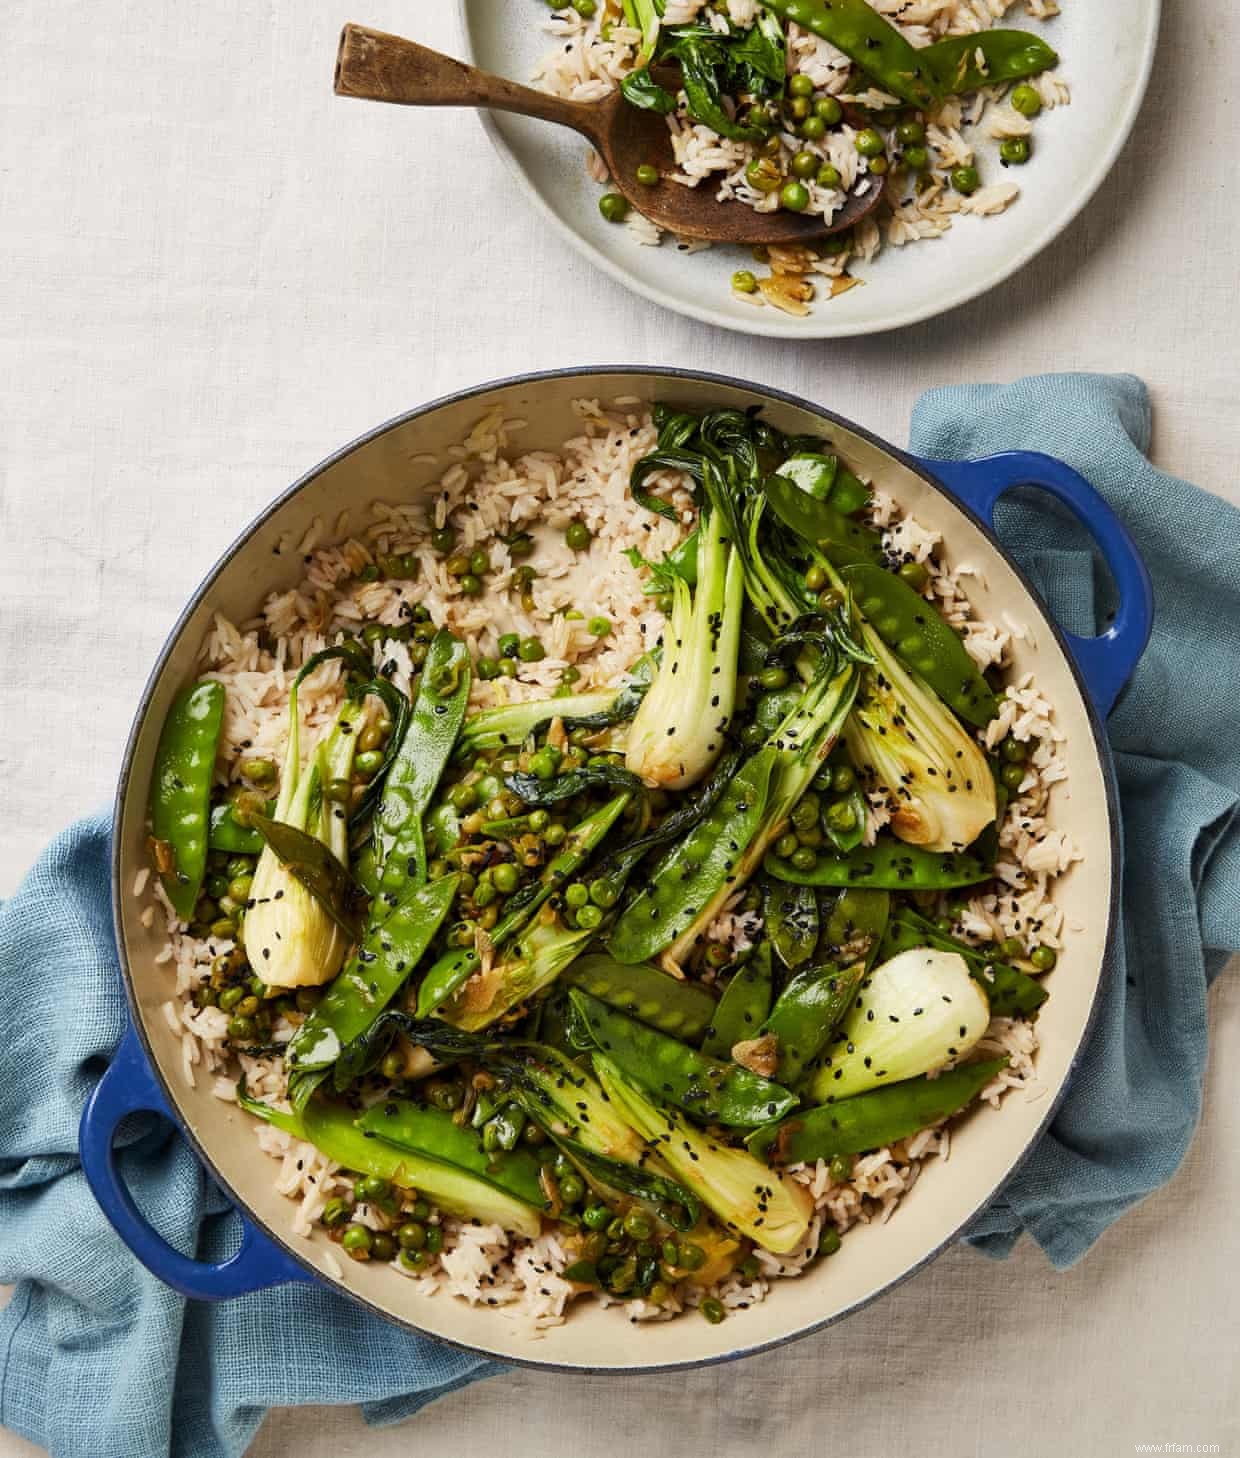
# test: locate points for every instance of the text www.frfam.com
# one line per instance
(1177, 1448)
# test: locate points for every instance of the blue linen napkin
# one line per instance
(97, 1357)
(1136, 1098)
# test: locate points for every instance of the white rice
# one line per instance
(592, 56)
(484, 492)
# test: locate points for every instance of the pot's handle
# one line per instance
(129, 1087)
(1107, 661)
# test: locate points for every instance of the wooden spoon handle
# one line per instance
(375, 66)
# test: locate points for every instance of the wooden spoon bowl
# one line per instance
(374, 66)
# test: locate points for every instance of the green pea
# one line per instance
(543, 765)
(470, 585)
(1044, 958)
(774, 678)
(411, 1236)
(966, 180)
(712, 1310)
(800, 85)
(911, 133)
(556, 833)
(813, 129)
(393, 1065)
(1026, 100)
(458, 564)
(413, 1260)
(804, 858)
(372, 1187)
(1012, 775)
(487, 668)
(576, 895)
(357, 1240)
(692, 1257)
(829, 177)
(830, 599)
(434, 1233)
(917, 159)
(241, 1029)
(829, 1241)
(638, 1225)
(479, 562)
(603, 894)
(572, 1189)
(1014, 151)
(829, 109)
(230, 997)
(577, 535)
(589, 918)
(843, 778)
(463, 797)
(879, 165)
(223, 928)
(763, 174)
(805, 812)
(382, 1246)
(744, 282)
(786, 845)
(505, 877)
(585, 8)
(869, 142)
(613, 207)
(1015, 751)
(368, 762)
(444, 539)
(647, 174)
(248, 1006)
(539, 820)
(596, 1217)
(840, 1169)
(794, 197)
(531, 650)
(259, 771)
(804, 165)
(599, 627)
(507, 668)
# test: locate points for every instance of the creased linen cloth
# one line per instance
(97, 1358)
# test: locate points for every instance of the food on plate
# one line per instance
(796, 104)
(606, 875)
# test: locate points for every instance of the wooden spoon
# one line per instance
(378, 67)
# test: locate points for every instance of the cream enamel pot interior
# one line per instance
(390, 463)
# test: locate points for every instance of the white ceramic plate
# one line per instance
(1107, 51)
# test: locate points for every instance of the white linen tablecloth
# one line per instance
(212, 273)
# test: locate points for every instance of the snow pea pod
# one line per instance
(458, 965)
(438, 713)
(681, 1008)
(375, 973)
(712, 1091)
(843, 541)
(791, 916)
(436, 1135)
(227, 833)
(806, 1013)
(330, 1128)
(689, 874)
(743, 1007)
(870, 40)
(1008, 990)
(1007, 55)
(887, 865)
(856, 924)
(871, 1120)
(904, 619)
(181, 791)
